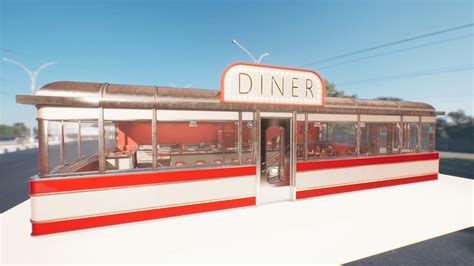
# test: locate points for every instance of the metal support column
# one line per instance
(257, 152)
(400, 136)
(239, 138)
(305, 147)
(43, 147)
(61, 144)
(101, 141)
(358, 136)
(154, 140)
(293, 150)
(79, 139)
(102, 132)
(418, 135)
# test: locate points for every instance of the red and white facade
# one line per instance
(67, 204)
(330, 177)
(175, 152)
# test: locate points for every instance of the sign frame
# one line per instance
(222, 89)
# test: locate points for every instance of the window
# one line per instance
(191, 143)
(300, 140)
(89, 134)
(379, 138)
(72, 147)
(427, 137)
(128, 145)
(330, 140)
(248, 139)
(410, 137)
(54, 142)
(71, 138)
(110, 135)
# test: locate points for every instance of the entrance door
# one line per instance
(275, 160)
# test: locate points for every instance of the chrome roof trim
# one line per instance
(83, 94)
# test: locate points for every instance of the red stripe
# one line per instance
(327, 164)
(353, 187)
(120, 218)
(42, 186)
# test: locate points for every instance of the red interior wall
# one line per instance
(300, 131)
(181, 133)
(139, 133)
(131, 134)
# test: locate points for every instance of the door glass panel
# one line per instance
(275, 154)
(382, 140)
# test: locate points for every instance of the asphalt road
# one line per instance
(17, 167)
(452, 249)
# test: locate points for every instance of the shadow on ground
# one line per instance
(457, 167)
(452, 249)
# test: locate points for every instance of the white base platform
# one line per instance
(332, 229)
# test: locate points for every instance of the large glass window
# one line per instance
(410, 137)
(110, 135)
(379, 138)
(128, 145)
(427, 137)
(89, 138)
(300, 140)
(80, 147)
(54, 142)
(71, 138)
(248, 136)
(331, 140)
(191, 143)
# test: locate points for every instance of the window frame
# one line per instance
(395, 137)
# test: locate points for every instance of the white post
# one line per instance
(32, 75)
(256, 61)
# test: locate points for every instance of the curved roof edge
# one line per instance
(120, 95)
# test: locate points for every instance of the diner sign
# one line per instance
(263, 84)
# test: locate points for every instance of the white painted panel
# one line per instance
(270, 194)
(357, 174)
(428, 119)
(411, 118)
(247, 116)
(275, 114)
(76, 204)
(181, 115)
(332, 117)
(300, 117)
(65, 113)
(128, 114)
(380, 118)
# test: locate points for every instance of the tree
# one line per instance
(6, 130)
(332, 91)
(462, 125)
(20, 129)
(455, 132)
(459, 117)
(441, 125)
(389, 98)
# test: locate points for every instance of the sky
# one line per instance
(190, 42)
